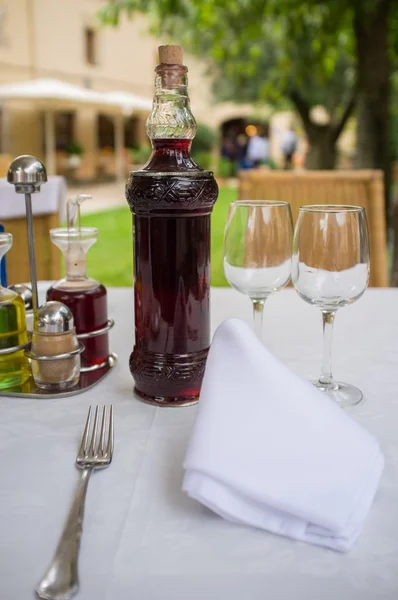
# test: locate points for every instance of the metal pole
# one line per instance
(27, 173)
(119, 146)
(49, 134)
(32, 260)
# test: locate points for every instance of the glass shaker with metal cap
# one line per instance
(55, 350)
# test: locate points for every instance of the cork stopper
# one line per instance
(171, 55)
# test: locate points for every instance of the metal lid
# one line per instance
(27, 173)
(25, 292)
(54, 317)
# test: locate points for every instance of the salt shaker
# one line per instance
(55, 350)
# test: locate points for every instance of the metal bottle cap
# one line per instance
(25, 292)
(27, 173)
(54, 317)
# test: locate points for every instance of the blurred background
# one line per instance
(283, 91)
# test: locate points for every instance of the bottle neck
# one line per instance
(171, 116)
(171, 125)
(75, 264)
(171, 155)
(74, 244)
(75, 274)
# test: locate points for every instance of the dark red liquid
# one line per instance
(171, 155)
(171, 222)
(89, 309)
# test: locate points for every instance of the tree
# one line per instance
(304, 49)
(259, 53)
(304, 43)
(328, 82)
(371, 27)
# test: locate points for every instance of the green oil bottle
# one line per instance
(14, 366)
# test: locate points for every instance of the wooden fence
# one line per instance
(362, 188)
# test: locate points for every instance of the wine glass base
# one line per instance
(344, 394)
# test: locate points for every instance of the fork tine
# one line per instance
(109, 447)
(92, 449)
(101, 449)
(83, 444)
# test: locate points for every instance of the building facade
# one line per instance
(63, 40)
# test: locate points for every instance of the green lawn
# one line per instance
(110, 260)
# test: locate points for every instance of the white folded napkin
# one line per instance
(270, 450)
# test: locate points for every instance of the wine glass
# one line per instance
(330, 269)
(258, 250)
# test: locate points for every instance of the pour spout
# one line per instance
(73, 214)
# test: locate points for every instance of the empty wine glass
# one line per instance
(258, 250)
(330, 269)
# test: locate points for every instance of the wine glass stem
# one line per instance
(326, 377)
(258, 313)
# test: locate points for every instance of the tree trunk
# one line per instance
(322, 139)
(371, 33)
(373, 99)
(322, 147)
(394, 226)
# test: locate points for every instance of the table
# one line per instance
(143, 538)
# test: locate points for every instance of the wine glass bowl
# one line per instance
(257, 250)
(330, 269)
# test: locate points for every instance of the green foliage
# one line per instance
(394, 118)
(271, 164)
(74, 148)
(274, 51)
(205, 139)
(394, 136)
(225, 168)
(259, 49)
(204, 160)
(140, 155)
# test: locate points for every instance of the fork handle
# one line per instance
(61, 580)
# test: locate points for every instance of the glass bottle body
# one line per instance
(14, 367)
(171, 199)
(171, 224)
(90, 312)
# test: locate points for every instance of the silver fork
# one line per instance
(61, 581)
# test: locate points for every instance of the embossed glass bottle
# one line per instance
(171, 199)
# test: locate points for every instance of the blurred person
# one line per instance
(241, 151)
(227, 149)
(228, 155)
(289, 147)
(258, 149)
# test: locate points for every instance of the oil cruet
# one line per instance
(84, 296)
(14, 365)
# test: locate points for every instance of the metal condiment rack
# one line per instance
(91, 334)
(87, 381)
(27, 173)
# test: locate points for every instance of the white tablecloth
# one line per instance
(143, 538)
(50, 200)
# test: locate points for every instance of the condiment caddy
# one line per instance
(64, 350)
